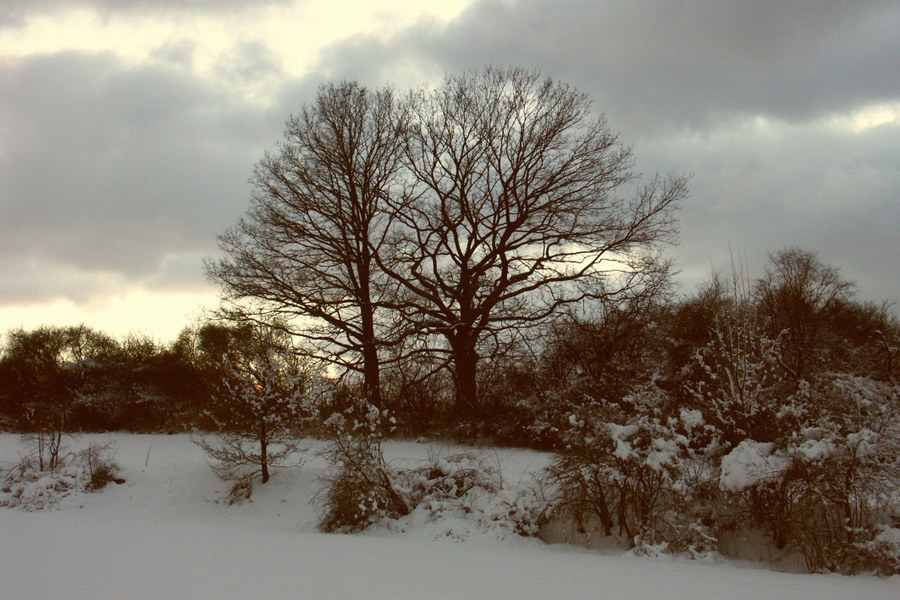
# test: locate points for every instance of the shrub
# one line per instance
(827, 489)
(463, 491)
(631, 471)
(99, 465)
(29, 487)
(240, 459)
(360, 488)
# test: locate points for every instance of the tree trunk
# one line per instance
(465, 376)
(264, 452)
(371, 366)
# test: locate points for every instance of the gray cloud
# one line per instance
(672, 63)
(118, 174)
(829, 190)
(248, 63)
(684, 81)
(113, 169)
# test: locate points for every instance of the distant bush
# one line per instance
(29, 487)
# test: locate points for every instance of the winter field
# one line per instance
(167, 533)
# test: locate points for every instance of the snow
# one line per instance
(620, 435)
(691, 418)
(664, 451)
(815, 450)
(166, 533)
(750, 463)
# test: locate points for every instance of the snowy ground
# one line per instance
(164, 534)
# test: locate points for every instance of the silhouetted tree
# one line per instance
(795, 294)
(515, 215)
(306, 250)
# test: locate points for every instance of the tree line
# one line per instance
(463, 256)
(797, 324)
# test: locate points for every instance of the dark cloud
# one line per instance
(672, 63)
(112, 168)
(687, 82)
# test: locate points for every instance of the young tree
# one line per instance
(258, 393)
(515, 215)
(306, 251)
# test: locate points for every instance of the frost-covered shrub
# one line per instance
(827, 489)
(846, 474)
(99, 466)
(628, 471)
(465, 493)
(360, 488)
(741, 388)
(881, 552)
(458, 494)
(674, 533)
(28, 487)
(235, 457)
(262, 394)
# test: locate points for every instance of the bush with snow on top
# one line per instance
(29, 488)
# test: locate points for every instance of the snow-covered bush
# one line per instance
(846, 475)
(240, 459)
(628, 470)
(827, 490)
(465, 493)
(458, 494)
(29, 487)
(360, 488)
(99, 466)
(741, 389)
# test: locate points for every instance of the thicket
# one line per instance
(768, 406)
(44, 476)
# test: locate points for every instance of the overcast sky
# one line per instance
(128, 129)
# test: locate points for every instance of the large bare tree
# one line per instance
(305, 252)
(515, 214)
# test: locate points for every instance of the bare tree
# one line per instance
(795, 293)
(305, 253)
(514, 216)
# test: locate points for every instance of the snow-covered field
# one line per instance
(165, 533)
